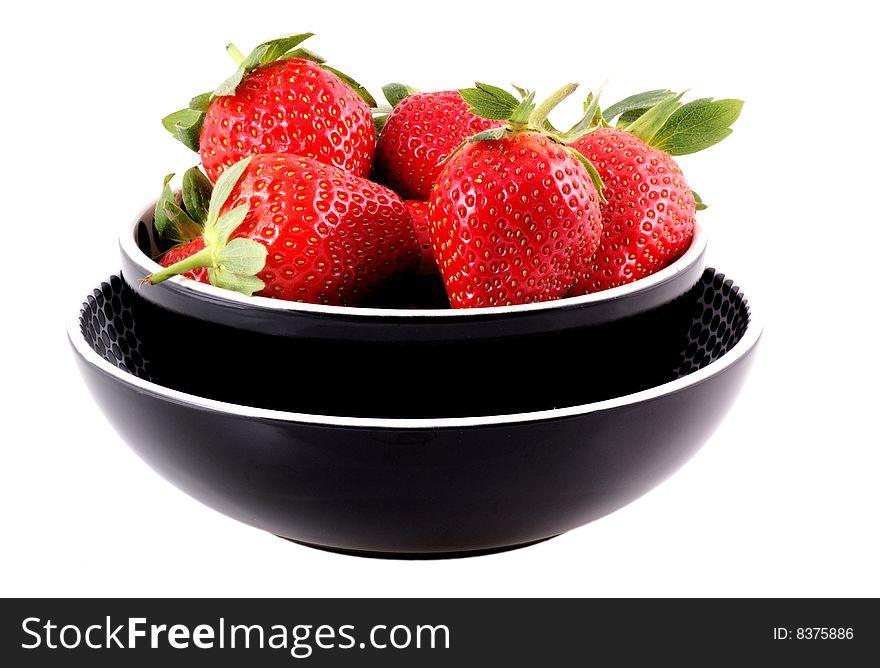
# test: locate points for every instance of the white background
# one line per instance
(782, 501)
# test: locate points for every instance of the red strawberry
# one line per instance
(277, 103)
(285, 226)
(648, 221)
(421, 131)
(183, 251)
(514, 212)
(419, 212)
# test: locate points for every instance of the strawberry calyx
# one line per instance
(661, 120)
(186, 124)
(183, 221)
(630, 108)
(263, 54)
(525, 115)
(232, 264)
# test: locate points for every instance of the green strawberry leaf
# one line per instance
(186, 126)
(229, 85)
(196, 194)
(589, 121)
(591, 104)
(488, 135)
(224, 187)
(497, 92)
(490, 102)
(699, 201)
(201, 102)
(396, 92)
(629, 118)
(595, 177)
(636, 105)
(229, 280)
(170, 221)
(262, 54)
(278, 47)
(243, 256)
(160, 220)
(646, 126)
(304, 54)
(523, 92)
(524, 110)
(180, 226)
(228, 223)
(355, 86)
(697, 125)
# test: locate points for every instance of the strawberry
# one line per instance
(285, 226)
(514, 211)
(419, 133)
(418, 210)
(280, 100)
(648, 221)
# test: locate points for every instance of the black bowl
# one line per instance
(420, 487)
(416, 310)
(426, 362)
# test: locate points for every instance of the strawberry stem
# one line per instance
(204, 258)
(231, 264)
(539, 115)
(237, 55)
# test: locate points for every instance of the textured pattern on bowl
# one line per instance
(417, 378)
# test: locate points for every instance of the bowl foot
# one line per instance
(369, 554)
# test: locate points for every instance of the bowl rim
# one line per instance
(181, 284)
(748, 341)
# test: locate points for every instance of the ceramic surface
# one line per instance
(422, 487)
